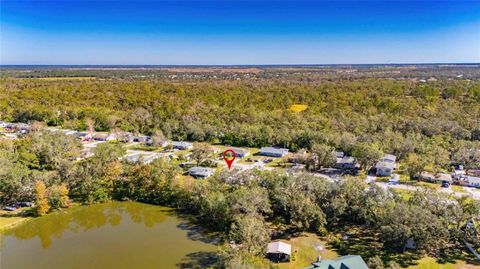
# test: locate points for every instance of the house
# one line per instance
(344, 262)
(273, 152)
(443, 177)
(162, 144)
(458, 172)
(470, 181)
(104, 137)
(84, 136)
(427, 176)
(141, 138)
(141, 158)
(10, 126)
(389, 158)
(126, 137)
(279, 251)
(69, 132)
(386, 165)
(22, 128)
(182, 145)
(240, 153)
(346, 163)
(384, 169)
(438, 178)
(200, 172)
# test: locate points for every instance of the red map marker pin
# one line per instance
(229, 156)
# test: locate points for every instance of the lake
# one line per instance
(113, 235)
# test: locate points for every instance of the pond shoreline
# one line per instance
(114, 235)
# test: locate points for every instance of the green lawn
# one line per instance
(361, 242)
(429, 185)
(9, 219)
(145, 148)
(405, 194)
(431, 263)
(307, 246)
(457, 188)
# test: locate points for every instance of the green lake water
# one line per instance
(113, 235)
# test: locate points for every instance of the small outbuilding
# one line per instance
(279, 251)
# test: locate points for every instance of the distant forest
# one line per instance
(431, 112)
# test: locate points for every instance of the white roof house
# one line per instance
(273, 152)
(240, 153)
(104, 137)
(199, 171)
(141, 158)
(279, 247)
(181, 145)
(389, 158)
(386, 165)
(470, 181)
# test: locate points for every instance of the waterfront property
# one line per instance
(273, 152)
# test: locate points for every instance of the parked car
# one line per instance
(445, 184)
(10, 208)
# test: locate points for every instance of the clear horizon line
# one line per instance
(264, 64)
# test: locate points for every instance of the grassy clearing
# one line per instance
(9, 219)
(431, 263)
(457, 188)
(366, 243)
(298, 108)
(429, 185)
(307, 246)
(405, 194)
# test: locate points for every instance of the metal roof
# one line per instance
(279, 247)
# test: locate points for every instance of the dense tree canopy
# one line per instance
(398, 116)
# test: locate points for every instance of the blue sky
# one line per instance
(238, 32)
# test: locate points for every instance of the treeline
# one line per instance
(244, 208)
(433, 120)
